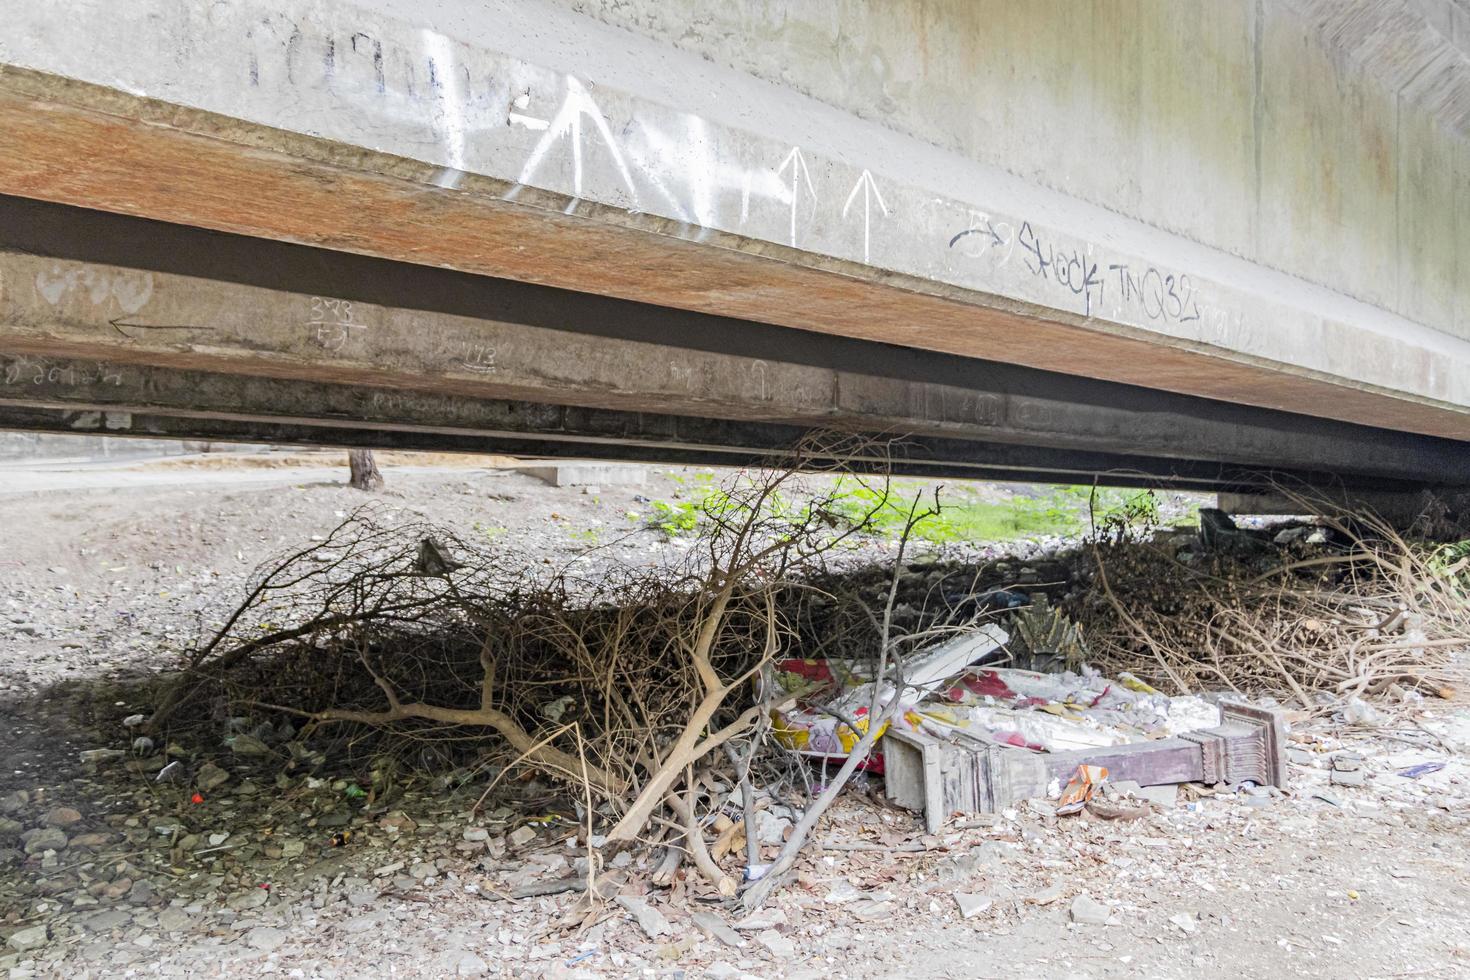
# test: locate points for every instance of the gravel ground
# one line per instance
(106, 872)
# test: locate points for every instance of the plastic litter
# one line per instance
(1080, 789)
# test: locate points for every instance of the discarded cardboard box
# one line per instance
(966, 774)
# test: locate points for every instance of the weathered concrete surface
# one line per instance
(1234, 210)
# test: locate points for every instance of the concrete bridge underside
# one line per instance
(1205, 243)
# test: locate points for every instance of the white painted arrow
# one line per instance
(567, 123)
(799, 173)
(870, 191)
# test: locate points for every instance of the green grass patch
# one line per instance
(964, 516)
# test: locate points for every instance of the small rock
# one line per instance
(142, 745)
(106, 921)
(470, 965)
(14, 802)
(118, 888)
(265, 938)
(251, 898)
(767, 918)
(44, 839)
(1186, 922)
(476, 835)
(780, 947)
(1166, 796)
(174, 920)
(716, 928)
(423, 869)
(210, 777)
(25, 940)
(1046, 896)
(292, 848)
(249, 745)
(215, 840)
(366, 922)
(133, 721)
(1087, 911)
(1356, 777)
(650, 919)
(522, 836)
(92, 841)
(972, 905)
(398, 821)
(141, 893)
(1300, 756)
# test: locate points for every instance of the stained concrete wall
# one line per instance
(1244, 125)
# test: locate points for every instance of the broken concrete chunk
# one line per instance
(1354, 777)
(210, 777)
(1088, 911)
(25, 940)
(780, 947)
(522, 836)
(650, 919)
(716, 928)
(972, 905)
(1046, 896)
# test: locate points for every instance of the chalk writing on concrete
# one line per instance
(332, 323)
(29, 370)
(479, 358)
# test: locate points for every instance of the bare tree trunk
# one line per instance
(365, 475)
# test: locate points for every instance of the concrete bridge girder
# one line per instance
(473, 144)
(119, 324)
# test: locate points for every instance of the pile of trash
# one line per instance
(951, 687)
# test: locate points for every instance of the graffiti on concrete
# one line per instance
(130, 291)
(476, 110)
(869, 189)
(1159, 295)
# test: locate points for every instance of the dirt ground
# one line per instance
(105, 872)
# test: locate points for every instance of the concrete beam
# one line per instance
(475, 144)
(93, 397)
(93, 304)
(1016, 466)
(1401, 509)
